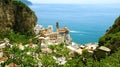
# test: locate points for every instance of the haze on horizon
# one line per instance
(76, 1)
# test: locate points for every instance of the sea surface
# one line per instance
(87, 23)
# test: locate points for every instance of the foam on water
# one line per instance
(72, 31)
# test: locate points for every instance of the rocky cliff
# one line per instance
(16, 16)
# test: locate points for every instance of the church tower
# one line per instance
(57, 26)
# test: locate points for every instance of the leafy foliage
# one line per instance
(111, 61)
(60, 50)
(47, 60)
(112, 37)
(115, 27)
(18, 17)
(20, 57)
(18, 38)
(23, 24)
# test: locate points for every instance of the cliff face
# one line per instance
(111, 38)
(15, 15)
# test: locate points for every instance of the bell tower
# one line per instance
(57, 26)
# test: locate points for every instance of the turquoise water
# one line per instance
(86, 22)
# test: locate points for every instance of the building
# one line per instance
(61, 35)
(38, 28)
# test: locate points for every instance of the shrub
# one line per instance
(18, 38)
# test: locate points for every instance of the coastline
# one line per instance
(48, 36)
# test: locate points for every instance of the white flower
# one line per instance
(28, 53)
(39, 64)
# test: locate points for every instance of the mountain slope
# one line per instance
(111, 38)
(16, 16)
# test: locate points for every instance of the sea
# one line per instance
(86, 22)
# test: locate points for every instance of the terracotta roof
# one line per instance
(44, 31)
(62, 30)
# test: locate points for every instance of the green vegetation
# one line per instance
(20, 57)
(18, 17)
(19, 30)
(48, 61)
(21, 5)
(23, 25)
(60, 50)
(115, 27)
(108, 61)
(111, 61)
(18, 38)
(85, 60)
(112, 37)
(24, 1)
(100, 58)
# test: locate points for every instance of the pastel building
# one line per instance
(60, 36)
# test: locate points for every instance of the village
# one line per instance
(47, 37)
(62, 35)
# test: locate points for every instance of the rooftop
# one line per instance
(104, 48)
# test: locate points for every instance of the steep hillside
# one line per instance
(111, 38)
(16, 16)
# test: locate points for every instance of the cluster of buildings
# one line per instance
(61, 35)
(49, 36)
